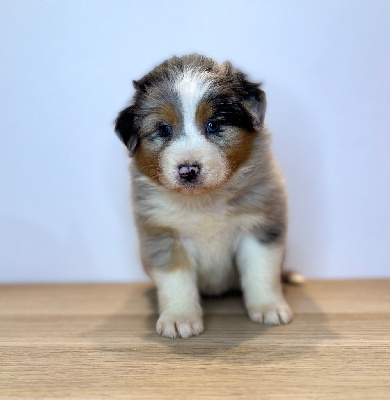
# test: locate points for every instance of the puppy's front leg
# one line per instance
(168, 263)
(178, 297)
(260, 265)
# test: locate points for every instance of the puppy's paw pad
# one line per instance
(183, 326)
(271, 314)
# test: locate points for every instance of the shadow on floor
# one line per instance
(229, 337)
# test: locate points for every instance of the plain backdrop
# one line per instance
(66, 70)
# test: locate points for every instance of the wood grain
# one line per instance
(99, 341)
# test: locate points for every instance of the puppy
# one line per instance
(209, 198)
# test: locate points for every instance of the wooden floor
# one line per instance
(99, 341)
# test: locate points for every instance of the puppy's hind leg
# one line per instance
(259, 265)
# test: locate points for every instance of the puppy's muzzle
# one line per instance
(189, 173)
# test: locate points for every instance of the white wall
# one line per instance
(66, 69)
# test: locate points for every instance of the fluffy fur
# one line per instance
(209, 199)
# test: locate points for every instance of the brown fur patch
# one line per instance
(204, 112)
(167, 113)
(156, 230)
(148, 163)
(240, 150)
(146, 159)
(166, 241)
(180, 258)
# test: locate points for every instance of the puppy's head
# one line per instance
(192, 123)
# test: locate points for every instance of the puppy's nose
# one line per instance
(189, 172)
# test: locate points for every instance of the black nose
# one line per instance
(189, 172)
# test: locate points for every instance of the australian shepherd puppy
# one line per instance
(209, 198)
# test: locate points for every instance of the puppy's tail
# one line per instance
(292, 277)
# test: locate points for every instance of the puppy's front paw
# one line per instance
(176, 325)
(272, 313)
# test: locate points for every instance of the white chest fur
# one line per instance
(211, 241)
(209, 233)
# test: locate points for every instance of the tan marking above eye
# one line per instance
(204, 112)
(167, 113)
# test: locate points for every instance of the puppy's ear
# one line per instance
(256, 104)
(254, 99)
(125, 129)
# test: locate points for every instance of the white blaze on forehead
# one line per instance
(192, 147)
(191, 88)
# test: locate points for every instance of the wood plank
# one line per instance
(221, 330)
(243, 372)
(339, 296)
(98, 341)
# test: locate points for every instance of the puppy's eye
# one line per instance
(212, 127)
(165, 130)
